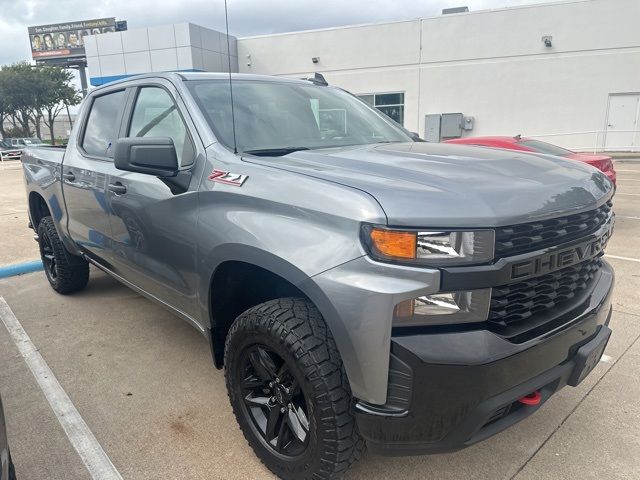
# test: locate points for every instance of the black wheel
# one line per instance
(66, 273)
(12, 470)
(289, 391)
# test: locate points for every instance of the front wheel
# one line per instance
(289, 391)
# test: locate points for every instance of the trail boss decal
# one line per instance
(228, 178)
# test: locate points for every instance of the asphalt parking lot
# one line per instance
(144, 383)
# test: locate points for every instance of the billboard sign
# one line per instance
(65, 40)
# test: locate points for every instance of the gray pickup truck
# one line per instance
(360, 287)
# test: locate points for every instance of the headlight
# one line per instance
(436, 248)
(444, 308)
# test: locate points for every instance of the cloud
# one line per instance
(246, 17)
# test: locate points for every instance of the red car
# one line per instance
(601, 162)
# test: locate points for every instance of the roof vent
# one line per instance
(447, 11)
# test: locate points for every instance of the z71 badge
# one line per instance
(227, 178)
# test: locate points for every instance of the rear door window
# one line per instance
(103, 123)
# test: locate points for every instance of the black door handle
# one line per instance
(117, 188)
(69, 176)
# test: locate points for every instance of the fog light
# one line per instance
(444, 308)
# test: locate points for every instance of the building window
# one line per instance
(391, 104)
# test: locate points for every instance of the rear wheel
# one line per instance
(11, 470)
(289, 391)
(66, 273)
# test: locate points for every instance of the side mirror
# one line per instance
(152, 156)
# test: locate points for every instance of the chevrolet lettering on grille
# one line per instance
(550, 262)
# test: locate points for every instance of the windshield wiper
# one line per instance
(274, 152)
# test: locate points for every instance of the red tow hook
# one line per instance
(533, 398)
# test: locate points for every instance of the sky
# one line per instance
(246, 17)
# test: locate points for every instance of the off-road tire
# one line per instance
(69, 273)
(296, 331)
(12, 470)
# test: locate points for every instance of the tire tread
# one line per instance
(300, 326)
(72, 276)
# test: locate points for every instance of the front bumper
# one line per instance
(463, 387)
(10, 155)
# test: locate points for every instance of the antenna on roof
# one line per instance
(233, 115)
(317, 79)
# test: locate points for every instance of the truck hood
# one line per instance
(442, 185)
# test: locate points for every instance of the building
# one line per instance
(567, 72)
(178, 47)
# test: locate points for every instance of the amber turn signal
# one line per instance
(404, 309)
(393, 243)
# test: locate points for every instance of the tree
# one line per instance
(35, 94)
(58, 95)
(17, 88)
(5, 113)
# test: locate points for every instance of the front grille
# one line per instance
(538, 296)
(529, 237)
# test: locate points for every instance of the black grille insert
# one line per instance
(528, 237)
(525, 300)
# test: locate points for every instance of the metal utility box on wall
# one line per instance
(447, 125)
(451, 126)
(432, 127)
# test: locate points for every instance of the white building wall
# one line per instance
(492, 65)
(177, 47)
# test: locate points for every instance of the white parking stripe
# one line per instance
(629, 194)
(606, 359)
(82, 439)
(629, 259)
(634, 171)
(630, 218)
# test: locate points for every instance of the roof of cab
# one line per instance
(187, 76)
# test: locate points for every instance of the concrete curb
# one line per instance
(20, 268)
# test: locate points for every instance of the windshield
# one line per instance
(543, 147)
(278, 118)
